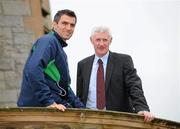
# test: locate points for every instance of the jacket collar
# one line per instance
(61, 41)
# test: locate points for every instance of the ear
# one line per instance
(91, 39)
(54, 25)
(111, 40)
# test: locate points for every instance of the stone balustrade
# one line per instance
(46, 118)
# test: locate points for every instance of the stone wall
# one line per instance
(21, 22)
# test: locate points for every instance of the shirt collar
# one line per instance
(103, 58)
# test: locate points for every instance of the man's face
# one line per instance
(101, 42)
(65, 26)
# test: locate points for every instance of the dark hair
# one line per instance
(64, 12)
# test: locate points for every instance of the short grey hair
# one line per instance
(100, 29)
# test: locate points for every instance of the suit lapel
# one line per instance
(88, 67)
(109, 69)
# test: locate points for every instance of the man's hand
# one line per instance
(148, 116)
(57, 106)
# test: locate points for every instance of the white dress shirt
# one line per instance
(91, 100)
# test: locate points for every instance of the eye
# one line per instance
(72, 25)
(105, 40)
(64, 23)
(98, 40)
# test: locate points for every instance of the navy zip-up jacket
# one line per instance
(38, 89)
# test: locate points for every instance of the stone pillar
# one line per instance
(21, 22)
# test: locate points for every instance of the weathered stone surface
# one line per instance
(11, 21)
(13, 80)
(19, 65)
(8, 95)
(21, 21)
(8, 50)
(5, 33)
(23, 48)
(0, 8)
(45, 5)
(1, 50)
(6, 64)
(24, 38)
(1, 32)
(11, 7)
(2, 81)
(6, 41)
(19, 55)
(47, 22)
(7, 104)
(44, 118)
(18, 29)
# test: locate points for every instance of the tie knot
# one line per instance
(100, 61)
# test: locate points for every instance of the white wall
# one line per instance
(148, 30)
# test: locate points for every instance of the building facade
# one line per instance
(21, 22)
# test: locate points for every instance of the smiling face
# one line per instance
(65, 26)
(101, 42)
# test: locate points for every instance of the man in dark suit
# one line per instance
(122, 86)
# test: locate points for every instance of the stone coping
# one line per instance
(47, 118)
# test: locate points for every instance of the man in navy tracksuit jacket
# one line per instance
(38, 89)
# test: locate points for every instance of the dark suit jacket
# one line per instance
(123, 86)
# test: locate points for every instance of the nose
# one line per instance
(69, 27)
(101, 42)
